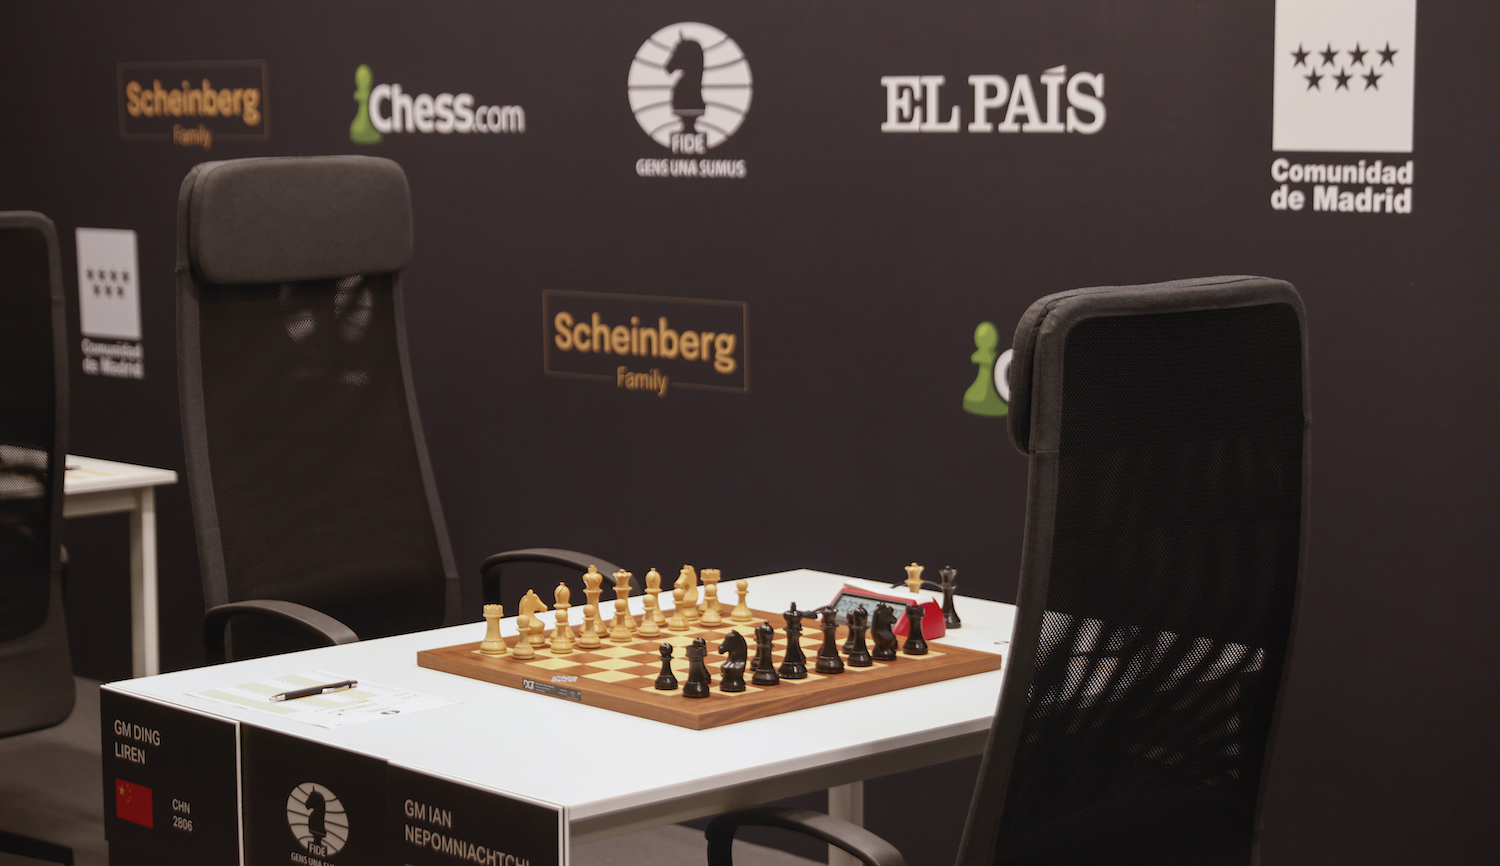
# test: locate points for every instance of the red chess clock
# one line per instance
(855, 598)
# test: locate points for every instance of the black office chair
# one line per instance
(1167, 429)
(318, 520)
(36, 675)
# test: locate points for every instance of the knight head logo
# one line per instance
(689, 87)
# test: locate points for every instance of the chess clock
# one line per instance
(850, 598)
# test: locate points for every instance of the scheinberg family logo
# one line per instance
(389, 109)
(689, 89)
(192, 104)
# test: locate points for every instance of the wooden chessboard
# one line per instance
(620, 677)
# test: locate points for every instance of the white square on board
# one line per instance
(109, 298)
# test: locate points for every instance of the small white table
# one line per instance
(93, 486)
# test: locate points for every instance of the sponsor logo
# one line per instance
(689, 88)
(989, 395)
(647, 344)
(389, 109)
(1064, 103)
(194, 104)
(109, 303)
(133, 803)
(318, 819)
(1344, 82)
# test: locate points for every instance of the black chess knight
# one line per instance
(765, 666)
(698, 679)
(828, 655)
(882, 631)
(732, 673)
(859, 655)
(916, 644)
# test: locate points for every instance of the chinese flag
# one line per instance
(133, 802)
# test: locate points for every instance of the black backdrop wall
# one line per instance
(860, 255)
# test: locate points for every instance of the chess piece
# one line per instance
(562, 595)
(561, 645)
(688, 580)
(794, 663)
(648, 627)
(678, 622)
(653, 589)
(828, 656)
(950, 583)
(915, 644)
(493, 644)
(698, 677)
(882, 630)
(523, 649)
(362, 130)
(588, 638)
(531, 605)
(741, 612)
(591, 591)
(622, 592)
(710, 616)
(765, 670)
(858, 655)
(914, 578)
(621, 632)
(983, 397)
(732, 673)
(666, 681)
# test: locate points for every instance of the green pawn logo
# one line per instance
(361, 131)
(982, 398)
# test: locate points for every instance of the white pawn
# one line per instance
(678, 622)
(710, 616)
(621, 632)
(741, 612)
(649, 628)
(560, 643)
(588, 637)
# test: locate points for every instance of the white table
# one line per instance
(106, 487)
(688, 774)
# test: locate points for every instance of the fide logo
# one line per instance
(317, 818)
(1344, 76)
(689, 88)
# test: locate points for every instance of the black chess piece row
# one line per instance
(794, 663)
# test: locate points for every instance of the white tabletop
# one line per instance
(614, 772)
(92, 475)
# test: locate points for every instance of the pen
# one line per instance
(315, 690)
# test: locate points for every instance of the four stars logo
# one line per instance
(1342, 75)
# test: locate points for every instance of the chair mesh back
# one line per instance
(1170, 594)
(28, 431)
(317, 485)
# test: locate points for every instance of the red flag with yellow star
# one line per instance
(133, 802)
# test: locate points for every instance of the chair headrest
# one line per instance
(286, 219)
(1048, 321)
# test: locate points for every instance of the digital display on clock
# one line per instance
(850, 599)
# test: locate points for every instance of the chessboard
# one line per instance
(621, 676)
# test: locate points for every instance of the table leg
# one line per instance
(145, 636)
(846, 802)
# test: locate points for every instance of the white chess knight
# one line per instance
(1344, 73)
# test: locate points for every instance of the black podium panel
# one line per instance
(308, 804)
(435, 822)
(171, 784)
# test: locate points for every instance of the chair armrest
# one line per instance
(869, 848)
(316, 623)
(489, 570)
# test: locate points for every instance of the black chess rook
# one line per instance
(828, 655)
(916, 644)
(698, 679)
(765, 665)
(858, 655)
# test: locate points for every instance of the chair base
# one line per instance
(15, 843)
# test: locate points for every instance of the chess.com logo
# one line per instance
(1344, 82)
(387, 109)
(689, 89)
(318, 819)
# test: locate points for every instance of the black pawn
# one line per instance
(859, 656)
(915, 645)
(794, 663)
(667, 681)
(765, 666)
(950, 583)
(882, 631)
(732, 672)
(698, 679)
(828, 656)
